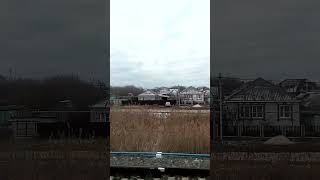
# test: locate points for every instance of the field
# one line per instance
(143, 130)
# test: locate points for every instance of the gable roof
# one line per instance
(292, 81)
(260, 90)
(294, 85)
(148, 93)
(190, 89)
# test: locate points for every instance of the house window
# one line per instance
(25, 129)
(245, 111)
(254, 111)
(257, 111)
(285, 111)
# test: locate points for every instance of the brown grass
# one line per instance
(143, 131)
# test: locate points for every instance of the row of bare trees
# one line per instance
(44, 94)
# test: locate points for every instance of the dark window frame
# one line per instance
(285, 111)
(250, 114)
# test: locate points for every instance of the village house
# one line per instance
(310, 108)
(148, 96)
(173, 92)
(26, 123)
(297, 86)
(163, 90)
(191, 95)
(123, 100)
(260, 102)
(27, 126)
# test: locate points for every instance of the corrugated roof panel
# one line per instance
(260, 90)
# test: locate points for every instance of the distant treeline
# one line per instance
(228, 85)
(125, 90)
(45, 94)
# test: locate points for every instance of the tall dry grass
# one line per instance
(144, 131)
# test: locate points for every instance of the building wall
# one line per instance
(271, 116)
(24, 127)
(147, 97)
(198, 99)
(191, 98)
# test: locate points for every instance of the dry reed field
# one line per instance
(145, 131)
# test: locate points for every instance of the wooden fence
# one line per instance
(270, 131)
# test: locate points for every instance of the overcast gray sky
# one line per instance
(160, 42)
(272, 39)
(44, 38)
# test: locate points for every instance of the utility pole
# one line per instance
(220, 103)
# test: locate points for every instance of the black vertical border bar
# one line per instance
(107, 55)
(213, 128)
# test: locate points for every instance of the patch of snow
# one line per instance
(279, 140)
(197, 105)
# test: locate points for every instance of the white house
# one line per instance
(192, 95)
